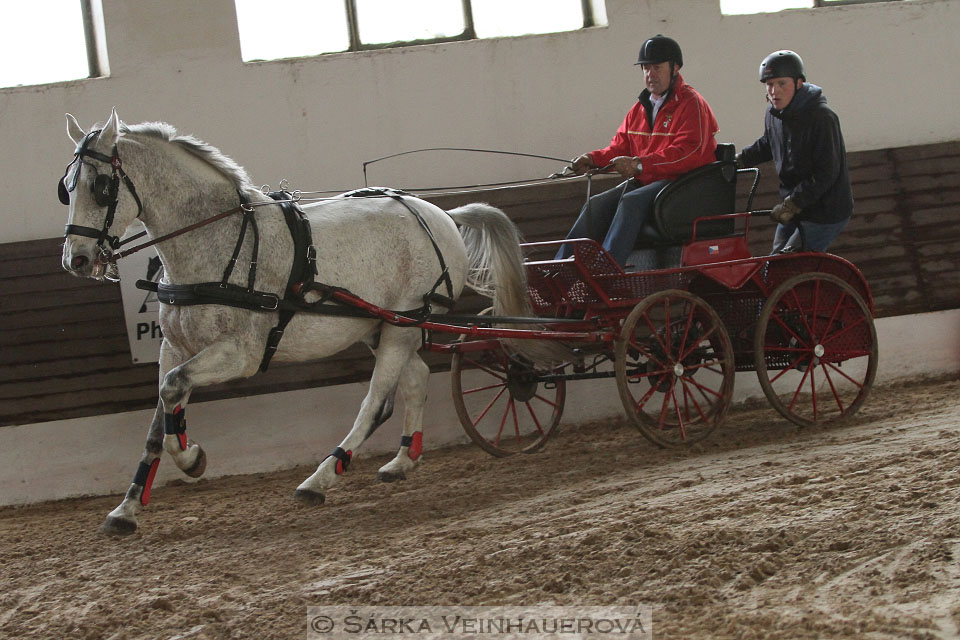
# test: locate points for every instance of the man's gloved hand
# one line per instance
(582, 164)
(738, 161)
(785, 211)
(627, 166)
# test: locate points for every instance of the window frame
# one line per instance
(94, 47)
(94, 34)
(468, 33)
(819, 4)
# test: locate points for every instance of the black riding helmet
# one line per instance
(660, 49)
(782, 64)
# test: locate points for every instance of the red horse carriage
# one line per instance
(674, 335)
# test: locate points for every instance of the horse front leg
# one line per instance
(122, 521)
(393, 353)
(413, 391)
(220, 362)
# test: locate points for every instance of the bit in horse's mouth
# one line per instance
(104, 269)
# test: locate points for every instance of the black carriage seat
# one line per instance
(709, 190)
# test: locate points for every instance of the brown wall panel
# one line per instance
(63, 345)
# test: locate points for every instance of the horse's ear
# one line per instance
(74, 130)
(111, 130)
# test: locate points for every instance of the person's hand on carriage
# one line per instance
(627, 166)
(582, 164)
(785, 211)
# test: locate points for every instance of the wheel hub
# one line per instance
(521, 381)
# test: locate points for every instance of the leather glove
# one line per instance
(582, 164)
(738, 161)
(785, 211)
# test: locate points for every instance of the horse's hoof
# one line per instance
(114, 526)
(199, 465)
(391, 476)
(309, 497)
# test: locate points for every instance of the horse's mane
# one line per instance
(210, 154)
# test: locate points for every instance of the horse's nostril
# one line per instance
(79, 262)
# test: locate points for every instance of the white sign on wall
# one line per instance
(141, 309)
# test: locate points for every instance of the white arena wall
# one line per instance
(98, 455)
(886, 68)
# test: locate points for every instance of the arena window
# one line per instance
(69, 46)
(296, 28)
(737, 7)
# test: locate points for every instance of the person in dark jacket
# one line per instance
(802, 136)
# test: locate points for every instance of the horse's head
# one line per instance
(100, 210)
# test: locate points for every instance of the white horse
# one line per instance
(375, 247)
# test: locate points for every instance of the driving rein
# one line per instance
(106, 193)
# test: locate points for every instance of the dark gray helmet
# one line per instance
(781, 64)
(660, 49)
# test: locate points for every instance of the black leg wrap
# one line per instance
(175, 424)
(406, 441)
(143, 472)
(343, 459)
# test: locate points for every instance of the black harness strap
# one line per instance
(301, 275)
(108, 197)
(247, 217)
(231, 295)
(301, 280)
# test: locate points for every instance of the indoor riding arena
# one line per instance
(712, 442)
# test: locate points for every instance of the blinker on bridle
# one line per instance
(106, 191)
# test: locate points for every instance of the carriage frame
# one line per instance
(673, 338)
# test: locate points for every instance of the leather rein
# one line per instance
(109, 197)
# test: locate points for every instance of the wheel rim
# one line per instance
(675, 368)
(816, 349)
(503, 403)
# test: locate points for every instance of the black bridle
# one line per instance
(106, 191)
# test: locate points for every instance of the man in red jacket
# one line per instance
(668, 132)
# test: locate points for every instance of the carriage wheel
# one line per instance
(816, 349)
(503, 403)
(675, 368)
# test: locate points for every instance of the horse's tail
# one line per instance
(496, 270)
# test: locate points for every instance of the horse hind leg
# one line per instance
(413, 391)
(394, 351)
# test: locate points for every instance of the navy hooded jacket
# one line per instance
(806, 145)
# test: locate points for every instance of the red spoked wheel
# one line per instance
(816, 349)
(675, 368)
(505, 403)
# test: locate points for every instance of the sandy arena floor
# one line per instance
(764, 531)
